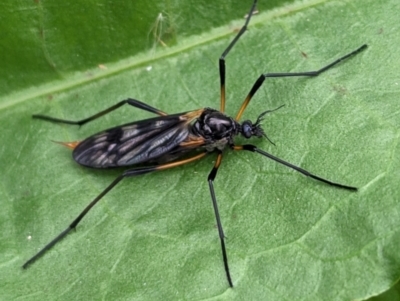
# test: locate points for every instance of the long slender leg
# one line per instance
(128, 173)
(253, 148)
(262, 77)
(225, 53)
(211, 178)
(133, 102)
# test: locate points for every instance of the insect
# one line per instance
(170, 140)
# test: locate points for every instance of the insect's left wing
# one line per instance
(138, 142)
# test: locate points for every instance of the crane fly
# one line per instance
(170, 140)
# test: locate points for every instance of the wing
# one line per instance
(139, 142)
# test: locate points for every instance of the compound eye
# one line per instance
(247, 129)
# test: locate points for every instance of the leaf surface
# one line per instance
(154, 237)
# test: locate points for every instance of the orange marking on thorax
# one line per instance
(189, 116)
(193, 142)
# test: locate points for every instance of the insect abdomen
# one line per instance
(132, 144)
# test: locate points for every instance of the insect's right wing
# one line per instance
(138, 142)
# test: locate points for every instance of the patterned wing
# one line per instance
(137, 142)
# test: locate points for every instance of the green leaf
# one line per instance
(154, 237)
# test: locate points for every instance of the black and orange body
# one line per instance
(170, 140)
